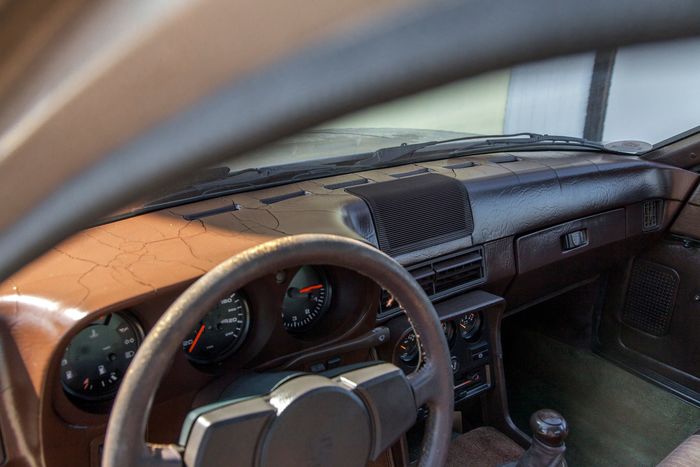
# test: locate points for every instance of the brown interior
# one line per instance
(141, 264)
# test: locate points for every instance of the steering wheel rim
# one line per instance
(432, 384)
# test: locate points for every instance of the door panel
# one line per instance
(651, 318)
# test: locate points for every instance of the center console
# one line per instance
(471, 322)
(468, 321)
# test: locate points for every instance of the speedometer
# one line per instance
(220, 333)
(306, 300)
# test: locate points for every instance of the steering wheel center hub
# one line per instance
(319, 423)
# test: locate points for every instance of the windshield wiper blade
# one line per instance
(406, 153)
(515, 140)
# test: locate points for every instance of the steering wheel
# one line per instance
(306, 419)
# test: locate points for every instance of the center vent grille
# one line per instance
(443, 276)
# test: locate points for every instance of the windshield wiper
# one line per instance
(478, 144)
(220, 181)
(516, 141)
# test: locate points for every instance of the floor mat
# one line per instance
(615, 418)
(482, 447)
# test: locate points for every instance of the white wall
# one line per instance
(655, 92)
(549, 97)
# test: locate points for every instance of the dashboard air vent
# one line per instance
(411, 173)
(460, 165)
(503, 159)
(444, 276)
(284, 197)
(652, 214)
(463, 269)
(346, 184)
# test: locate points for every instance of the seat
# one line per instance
(687, 454)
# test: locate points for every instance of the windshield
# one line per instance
(647, 93)
(644, 93)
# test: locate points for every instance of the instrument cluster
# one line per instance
(96, 359)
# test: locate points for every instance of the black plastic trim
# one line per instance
(211, 212)
(411, 173)
(284, 197)
(348, 184)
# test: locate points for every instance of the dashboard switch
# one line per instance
(574, 239)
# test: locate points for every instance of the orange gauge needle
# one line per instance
(196, 339)
(310, 288)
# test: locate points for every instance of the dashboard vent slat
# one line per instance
(651, 214)
(443, 276)
(460, 165)
(422, 170)
(284, 197)
(211, 212)
(346, 184)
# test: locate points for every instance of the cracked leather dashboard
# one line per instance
(515, 213)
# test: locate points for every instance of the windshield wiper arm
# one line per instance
(220, 181)
(515, 140)
(406, 153)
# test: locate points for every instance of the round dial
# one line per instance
(97, 358)
(306, 300)
(408, 349)
(469, 325)
(221, 331)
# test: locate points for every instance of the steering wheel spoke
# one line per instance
(389, 400)
(423, 384)
(219, 430)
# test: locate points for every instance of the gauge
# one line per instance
(220, 333)
(469, 325)
(408, 349)
(306, 300)
(96, 359)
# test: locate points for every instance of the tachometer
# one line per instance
(220, 333)
(306, 300)
(97, 358)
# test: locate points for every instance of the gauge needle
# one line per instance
(310, 288)
(196, 338)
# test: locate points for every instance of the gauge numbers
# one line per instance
(221, 331)
(306, 300)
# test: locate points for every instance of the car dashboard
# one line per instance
(484, 236)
